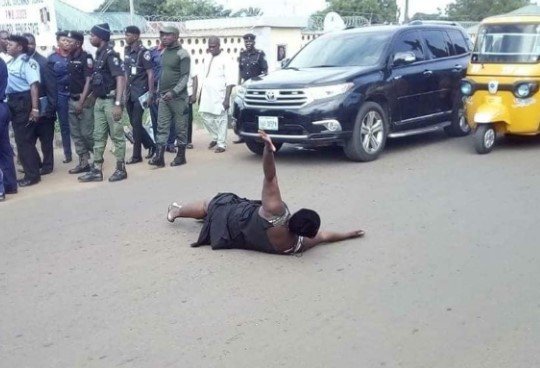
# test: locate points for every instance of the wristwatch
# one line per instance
(117, 103)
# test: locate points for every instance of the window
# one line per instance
(410, 42)
(458, 41)
(436, 44)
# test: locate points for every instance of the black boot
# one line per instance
(151, 152)
(180, 158)
(95, 174)
(83, 165)
(159, 159)
(120, 173)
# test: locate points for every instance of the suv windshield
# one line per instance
(355, 49)
(507, 43)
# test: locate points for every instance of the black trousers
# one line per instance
(45, 134)
(20, 105)
(189, 111)
(140, 135)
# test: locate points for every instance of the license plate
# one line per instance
(268, 123)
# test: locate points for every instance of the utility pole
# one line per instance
(131, 11)
(406, 17)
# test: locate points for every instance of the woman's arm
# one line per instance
(272, 204)
(330, 237)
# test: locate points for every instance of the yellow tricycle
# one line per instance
(501, 85)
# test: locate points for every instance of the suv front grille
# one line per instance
(275, 98)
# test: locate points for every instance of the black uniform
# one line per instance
(44, 129)
(80, 67)
(137, 60)
(252, 64)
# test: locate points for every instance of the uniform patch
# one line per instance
(90, 62)
(33, 66)
(116, 61)
(147, 56)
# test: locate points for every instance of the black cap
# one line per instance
(133, 30)
(249, 37)
(76, 36)
(21, 40)
(61, 34)
(103, 31)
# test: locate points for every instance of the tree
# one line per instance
(248, 12)
(194, 8)
(476, 10)
(142, 7)
(427, 16)
(378, 11)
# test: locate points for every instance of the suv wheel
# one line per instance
(459, 126)
(369, 134)
(258, 147)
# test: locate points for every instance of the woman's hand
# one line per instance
(267, 140)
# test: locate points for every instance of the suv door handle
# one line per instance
(457, 68)
(428, 72)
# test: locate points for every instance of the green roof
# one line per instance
(69, 18)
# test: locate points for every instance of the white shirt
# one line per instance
(218, 72)
(192, 74)
(6, 57)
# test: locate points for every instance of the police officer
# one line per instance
(252, 63)
(47, 95)
(108, 83)
(81, 108)
(140, 80)
(59, 61)
(8, 178)
(175, 62)
(23, 101)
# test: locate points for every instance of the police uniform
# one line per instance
(23, 73)
(60, 68)
(8, 178)
(107, 67)
(137, 60)
(45, 125)
(252, 63)
(80, 67)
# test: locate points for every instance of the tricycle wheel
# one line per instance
(484, 138)
(258, 147)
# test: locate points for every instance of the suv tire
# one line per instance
(459, 126)
(369, 133)
(258, 147)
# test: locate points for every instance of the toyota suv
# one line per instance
(358, 87)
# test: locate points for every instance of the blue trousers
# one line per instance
(63, 119)
(8, 177)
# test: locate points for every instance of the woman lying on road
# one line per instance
(266, 226)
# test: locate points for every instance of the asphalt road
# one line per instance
(92, 275)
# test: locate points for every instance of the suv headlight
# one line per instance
(319, 93)
(525, 89)
(466, 88)
(240, 91)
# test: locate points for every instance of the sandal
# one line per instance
(172, 206)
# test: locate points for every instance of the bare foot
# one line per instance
(173, 211)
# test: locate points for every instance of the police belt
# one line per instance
(16, 95)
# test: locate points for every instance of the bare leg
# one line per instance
(195, 210)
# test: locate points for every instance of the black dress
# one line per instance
(234, 222)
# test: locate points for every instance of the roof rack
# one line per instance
(442, 22)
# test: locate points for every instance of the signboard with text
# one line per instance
(30, 16)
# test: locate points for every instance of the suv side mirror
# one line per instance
(404, 58)
(284, 62)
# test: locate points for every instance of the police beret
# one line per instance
(249, 36)
(133, 30)
(76, 36)
(170, 29)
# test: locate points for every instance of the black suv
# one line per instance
(357, 87)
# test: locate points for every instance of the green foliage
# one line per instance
(378, 11)
(426, 16)
(476, 10)
(248, 12)
(187, 8)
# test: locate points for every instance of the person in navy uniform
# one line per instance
(47, 96)
(8, 178)
(23, 101)
(139, 80)
(60, 61)
(252, 63)
(81, 108)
